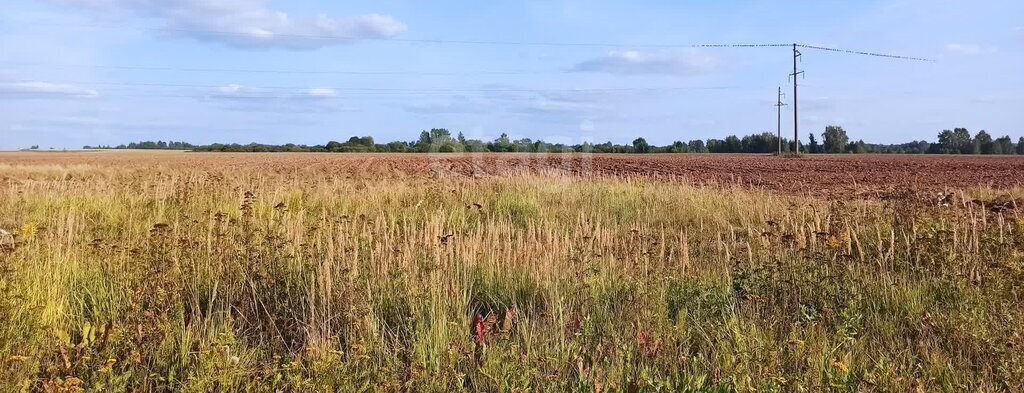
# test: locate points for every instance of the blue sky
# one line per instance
(77, 72)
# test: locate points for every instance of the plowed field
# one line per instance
(834, 176)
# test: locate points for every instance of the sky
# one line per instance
(107, 72)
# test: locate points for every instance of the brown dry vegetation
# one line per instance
(832, 176)
(276, 272)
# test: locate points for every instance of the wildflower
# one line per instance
(837, 242)
(643, 338)
(73, 383)
(832, 242)
(478, 329)
(28, 230)
(482, 326)
(108, 366)
(839, 365)
(17, 358)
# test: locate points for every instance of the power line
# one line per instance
(795, 74)
(461, 41)
(857, 52)
(278, 71)
(250, 89)
(778, 124)
(354, 38)
(435, 73)
(535, 43)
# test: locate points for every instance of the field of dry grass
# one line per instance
(832, 176)
(135, 272)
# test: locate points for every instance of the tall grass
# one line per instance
(211, 280)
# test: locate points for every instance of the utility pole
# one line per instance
(796, 133)
(778, 124)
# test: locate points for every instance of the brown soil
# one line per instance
(833, 176)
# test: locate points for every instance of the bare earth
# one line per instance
(834, 176)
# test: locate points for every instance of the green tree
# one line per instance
(1004, 145)
(957, 141)
(946, 143)
(679, 147)
(835, 139)
(813, 146)
(440, 135)
(759, 143)
(964, 143)
(697, 146)
(502, 144)
(919, 147)
(858, 147)
(423, 144)
(640, 145)
(1020, 145)
(983, 144)
(397, 147)
(732, 144)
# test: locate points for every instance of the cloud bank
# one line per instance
(254, 99)
(36, 89)
(679, 63)
(964, 49)
(251, 23)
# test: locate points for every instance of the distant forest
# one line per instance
(834, 140)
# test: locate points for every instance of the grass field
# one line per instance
(134, 274)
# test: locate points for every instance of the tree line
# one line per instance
(955, 141)
(834, 140)
(149, 145)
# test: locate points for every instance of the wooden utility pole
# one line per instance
(778, 124)
(796, 133)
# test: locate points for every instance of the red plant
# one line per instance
(479, 329)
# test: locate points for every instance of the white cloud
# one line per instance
(44, 90)
(230, 89)
(690, 62)
(256, 99)
(322, 92)
(967, 49)
(239, 92)
(251, 23)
